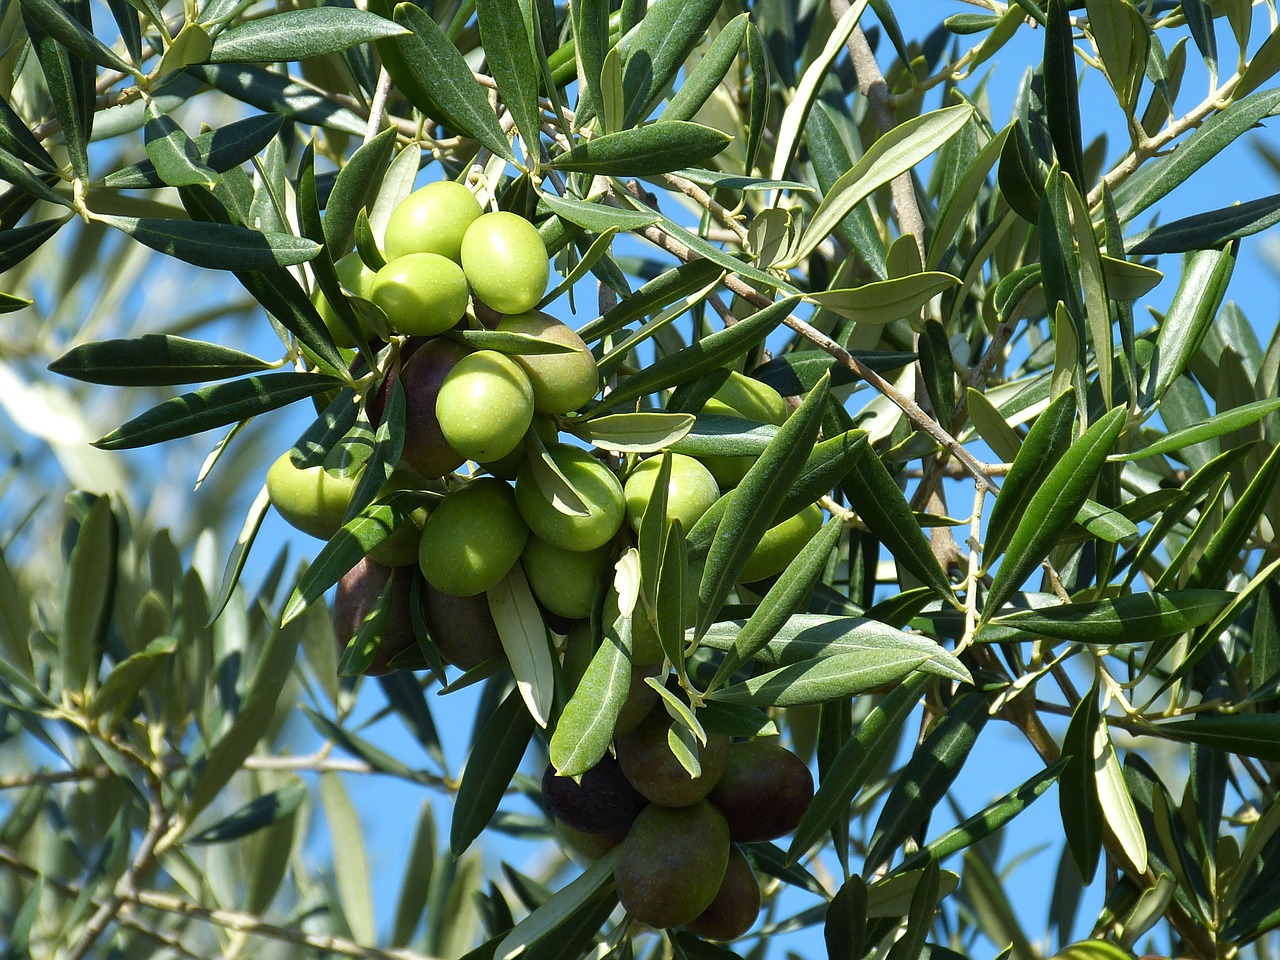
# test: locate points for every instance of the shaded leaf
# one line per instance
(299, 34)
(495, 755)
(154, 359)
(644, 151)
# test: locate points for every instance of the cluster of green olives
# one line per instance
(680, 863)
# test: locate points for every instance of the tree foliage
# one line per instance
(1040, 505)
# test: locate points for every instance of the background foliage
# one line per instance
(795, 188)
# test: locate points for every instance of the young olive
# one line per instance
(690, 493)
(564, 581)
(506, 262)
(780, 544)
(309, 498)
(472, 538)
(597, 486)
(485, 405)
(562, 382)
(432, 219)
(422, 294)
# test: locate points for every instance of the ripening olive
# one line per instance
(585, 848)
(432, 219)
(602, 801)
(647, 760)
(425, 448)
(764, 791)
(690, 493)
(309, 498)
(780, 544)
(561, 381)
(422, 294)
(472, 538)
(354, 600)
(599, 489)
(671, 863)
(736, 905)
(461, 628)
(506, 262)
(485, 405)
(564, 581)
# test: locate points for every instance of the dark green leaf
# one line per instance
(1053, 507)
(299, 34)
(1061, 93)
(845, 925)
(1136, 618)
(17, 139)
(928, 775)
(591, 33)
(56, 20)
(596, 217)
(758, 102)
(709, 72)
(173, 154)
(120, 689)
(825, 678)
(1205, 275)
(219, 150)
(661, 44)
(253, 816)
(1200, 21)
(495, 756)
(277, 93)
(20, 242)
(1243, 734)
(214, 406)
(508, 48)
(585, 729)
(644, 151)
(884, 509)
(1229, 539)
(70, 79)
(355, 188)
(217, 246)
(1078, 799)
(436, 64)
(89, 595)
(1047, 441)
(154, 359)
(1211, 229)
(9, 303)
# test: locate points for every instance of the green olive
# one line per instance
(595, 483)
(472, 538)
(309, 498)
(564, 581)
(357, 280)
(432, 219)
(780, 544)
(506, 262)
(690, 493)
(742, 396)
(485, 405)
(562, 382)
(422, 294)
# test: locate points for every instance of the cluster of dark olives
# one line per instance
(680, 863)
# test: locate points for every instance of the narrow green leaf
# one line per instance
(60, 24)
(436, 64)
(1048, 439)
(495, 755)
(355, 188)
(1127, 280)
(824, 679)
(253, 816)
(784, 598)
(14, 171)
(844, 927)
(1053, 507)
(214, 406)
(644, 151)
(1135, 618)
(1264, 65)
(758, 100)
(709, 72)
(885, 511)
(69, 79)
(239, 553)
(987, 821)
(927, 776)
(299, 35)
(637, 432)
(89, 595)
(596, 217)
(752, 506)
(1116, 804)
(504, 31)
(17, 139)
(525, 641)
(660, 46)
(11, 304)
(585, 728)
(1158, 178)
(416, 887)
(1121, 35)
(174, 156)
(1205, 275)
(960, 204)
(884, 301)
(1061, 92)
(227, 755)
(1199, 19)
(19, 243)
(154, 359)
(277, 93)
(1210, 229)
(1228, 542)
(350, 859)
(1244, 734)
(586, 889)
(993, 428)
(893, 154)
(1078, 789)
(217, 246)
(121, 686)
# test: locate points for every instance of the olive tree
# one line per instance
(884, 433)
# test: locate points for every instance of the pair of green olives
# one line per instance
(441, 247)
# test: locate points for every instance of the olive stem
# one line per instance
(378, 108)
